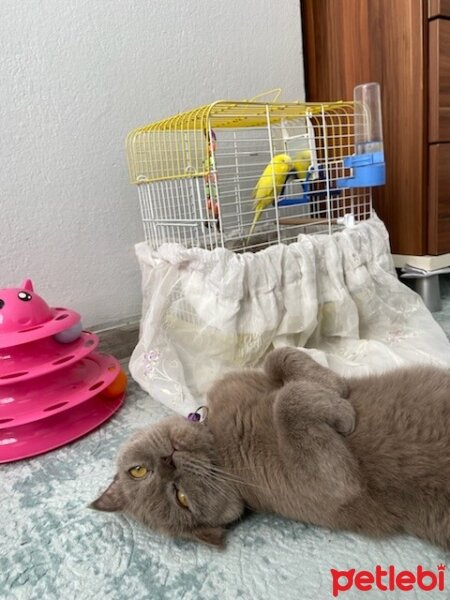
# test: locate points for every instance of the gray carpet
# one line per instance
(53, 548)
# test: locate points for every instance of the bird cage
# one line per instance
(247, 174)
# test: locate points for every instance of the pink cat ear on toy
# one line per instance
(111, 500)
(27, 285)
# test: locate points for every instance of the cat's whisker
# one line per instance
(202, 470)
(219, 474)
(241, 469)
(210, 483)
(217, 489)
(219, 470)
(213, 479)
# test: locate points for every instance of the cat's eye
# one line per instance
(138, 472)
(181, 498)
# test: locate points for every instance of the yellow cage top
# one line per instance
(177, 147)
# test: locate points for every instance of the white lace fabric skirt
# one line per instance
(337, 297)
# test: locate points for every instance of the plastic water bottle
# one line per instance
(368, 125)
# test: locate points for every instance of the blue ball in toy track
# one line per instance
(69, 335)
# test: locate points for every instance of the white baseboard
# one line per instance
(134, 320)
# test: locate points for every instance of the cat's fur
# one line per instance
(369, 455)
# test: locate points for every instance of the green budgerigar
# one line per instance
(270, 185)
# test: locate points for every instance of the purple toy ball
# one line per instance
(69, 335)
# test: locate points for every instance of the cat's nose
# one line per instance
(168, 461)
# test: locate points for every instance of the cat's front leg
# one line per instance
(289, 364)
(307, 407)
(311, 424)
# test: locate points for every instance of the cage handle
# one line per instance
(275, 91)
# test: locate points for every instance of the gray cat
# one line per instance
(369, 455)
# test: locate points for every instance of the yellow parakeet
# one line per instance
(264, 193)
(301, 162)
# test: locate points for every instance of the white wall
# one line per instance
(76, 76)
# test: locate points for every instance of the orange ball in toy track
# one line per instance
(117, 387)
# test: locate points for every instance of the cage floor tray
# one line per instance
(41, 357)
(35, 399)
(47, 434)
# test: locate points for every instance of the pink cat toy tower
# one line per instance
(53, 387)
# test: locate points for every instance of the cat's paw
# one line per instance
(287, 364)
(290, 364)
(345, 418)
(343, 389)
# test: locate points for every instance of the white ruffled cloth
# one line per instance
(206, 312)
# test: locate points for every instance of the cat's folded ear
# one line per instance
(111, 500)
(213, 536)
